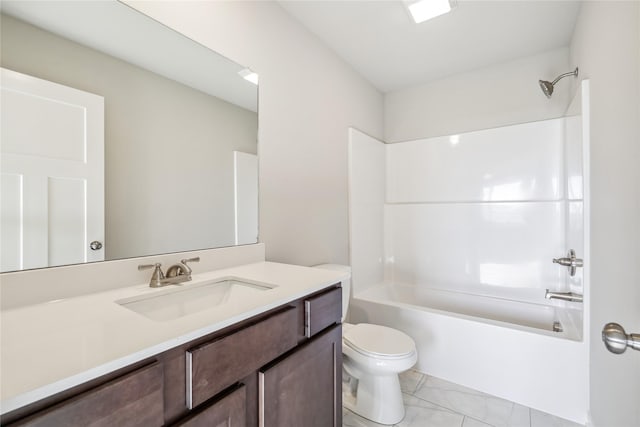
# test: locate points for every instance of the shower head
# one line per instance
(547, 87)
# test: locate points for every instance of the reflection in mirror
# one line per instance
(120, 138)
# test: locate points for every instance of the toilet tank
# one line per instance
(346, 284)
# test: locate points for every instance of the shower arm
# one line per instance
(562, 76)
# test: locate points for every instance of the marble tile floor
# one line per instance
(432, 402)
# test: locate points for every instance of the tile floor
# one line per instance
(432, 402)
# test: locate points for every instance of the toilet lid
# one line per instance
(378, 340)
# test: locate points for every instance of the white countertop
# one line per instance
(50, 347)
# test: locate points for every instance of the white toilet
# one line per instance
(373, 356)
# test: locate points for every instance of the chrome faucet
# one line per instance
(177, 273)
(566, 296)
(181, 271)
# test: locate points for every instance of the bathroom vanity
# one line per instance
(272, 359)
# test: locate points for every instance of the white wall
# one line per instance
(606, 46)
(482, 212)
(366, 209)
(499, 95)
(308, 98)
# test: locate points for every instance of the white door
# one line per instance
(245, 167)
(52, 165)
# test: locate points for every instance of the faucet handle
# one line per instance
(184, 262)
(157, 275)
(156, 265)
(571, 262)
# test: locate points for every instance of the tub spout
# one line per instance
(566, 296)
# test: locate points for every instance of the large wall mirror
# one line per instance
(120, 138)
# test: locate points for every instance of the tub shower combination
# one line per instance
(475, 246)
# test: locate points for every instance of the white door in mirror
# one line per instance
(52, 173)
(245, 169)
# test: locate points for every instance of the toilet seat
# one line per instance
(378, 341)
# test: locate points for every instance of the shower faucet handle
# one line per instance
(570, 261)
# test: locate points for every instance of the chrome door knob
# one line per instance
(616, 339)
(95, 245)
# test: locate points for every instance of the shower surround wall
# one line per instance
(452, 239)
(480, 212)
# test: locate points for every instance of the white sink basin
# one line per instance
(191, 298)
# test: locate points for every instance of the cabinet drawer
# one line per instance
(214, 366)
(229, 411)
(321, 311)
(134, 399)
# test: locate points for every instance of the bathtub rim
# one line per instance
(571, 330)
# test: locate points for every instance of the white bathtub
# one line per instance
(536, 318)
(501, 347)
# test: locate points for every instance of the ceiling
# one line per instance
(382, 43)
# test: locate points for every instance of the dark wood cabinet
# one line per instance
(321, 311)
(304, 387)
(230, 410)
(215, 365)
(279, 368)
(134, 399)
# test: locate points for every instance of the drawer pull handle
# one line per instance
(307, 319)
(189, 373)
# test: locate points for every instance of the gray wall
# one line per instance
(500, 95)
(308, 99)
(606, 45)
(168, 165)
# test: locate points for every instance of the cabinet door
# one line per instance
(304, 388)
(229, 411)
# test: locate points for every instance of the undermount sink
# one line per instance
(192, 298)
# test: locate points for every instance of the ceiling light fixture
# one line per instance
(423, 10)
(249, 75)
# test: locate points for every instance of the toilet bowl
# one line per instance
(373, 356)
